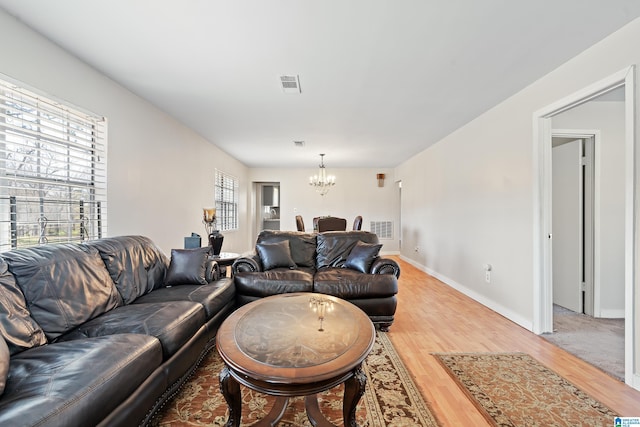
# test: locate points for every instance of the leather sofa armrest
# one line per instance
(385, 266)
(247, 263)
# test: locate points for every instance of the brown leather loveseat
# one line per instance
(344, 264)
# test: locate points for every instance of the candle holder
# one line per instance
(215, 237)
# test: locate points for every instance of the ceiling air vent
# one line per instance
(290, 84)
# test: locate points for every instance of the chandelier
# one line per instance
(322, 182)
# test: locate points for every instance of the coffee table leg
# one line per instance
(231, 391)
(353, 390)
(276, 413)
(313, 412)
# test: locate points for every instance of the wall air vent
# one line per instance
(290, 84)
(383, 229)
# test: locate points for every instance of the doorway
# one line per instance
(267, 206)
(542, 253)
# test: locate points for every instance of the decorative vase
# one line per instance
(215, 241)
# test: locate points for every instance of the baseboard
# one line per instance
(635, 381)
(414, 263)
(388, 253)
(482, 299)
(612, 314)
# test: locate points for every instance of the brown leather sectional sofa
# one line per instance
(344, 264)
(92, 335)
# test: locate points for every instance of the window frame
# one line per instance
(53, 169)
(226, 200)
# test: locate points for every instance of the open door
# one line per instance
(573, 222)
(567, 225)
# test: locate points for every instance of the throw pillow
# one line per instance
(362, 256)
(187, 267)
(17, 326)
(275, 255)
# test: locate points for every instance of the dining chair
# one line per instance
(331, 223)
(299, 223)
(357, 223)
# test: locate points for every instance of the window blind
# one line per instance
(53, 171)
(226, 197)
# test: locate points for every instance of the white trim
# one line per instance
(542, 295)
(630, 343)
(612, 314)
(542, 309)
(389, 253)
(414, 263)
(489, 303)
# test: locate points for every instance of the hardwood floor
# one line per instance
(433, 317)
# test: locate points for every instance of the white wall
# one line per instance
(468, 200)
(160, 173)
(608, 118)
(356, 193)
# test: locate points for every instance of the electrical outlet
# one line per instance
(487, 272)
(416, 249)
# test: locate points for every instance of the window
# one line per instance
(226, 195)
(52, 171)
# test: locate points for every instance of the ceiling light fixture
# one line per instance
(322, 182)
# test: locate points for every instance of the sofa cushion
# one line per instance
(273, 282)
(187, 267)
(136, 265)
(275, 255)
(362, 256)
(64, 285)
(350, 284)
(16, 324)
(4, 363)
(214, 296)
(302, 245)
(334, 247)
(76, 383)
(172, 322)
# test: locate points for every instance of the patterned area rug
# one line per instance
(514, 389)
(391, 398)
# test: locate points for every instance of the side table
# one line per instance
(224, 260)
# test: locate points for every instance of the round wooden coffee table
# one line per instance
(296, 344)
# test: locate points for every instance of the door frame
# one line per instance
(542, 282)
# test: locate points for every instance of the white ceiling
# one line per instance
(381, 79)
